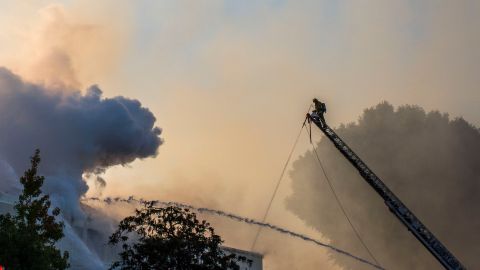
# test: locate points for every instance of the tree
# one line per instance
(27, 239)
(169, 238)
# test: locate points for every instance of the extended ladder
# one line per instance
(413, 224)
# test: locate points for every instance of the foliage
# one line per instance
(169, 238)
(27, 239)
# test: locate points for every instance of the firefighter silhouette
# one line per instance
(320, 109)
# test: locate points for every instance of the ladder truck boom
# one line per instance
(420, 231)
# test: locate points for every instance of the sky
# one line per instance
(229, 82)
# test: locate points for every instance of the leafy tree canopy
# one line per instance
(27, 239)
(169, 238)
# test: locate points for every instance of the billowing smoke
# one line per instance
(428, 160)
(76, 133)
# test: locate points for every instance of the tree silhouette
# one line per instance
(169, 238)
(431, 162)
(27, 239)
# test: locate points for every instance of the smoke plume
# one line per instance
(56, 45)
(428, 160)
(77, 134)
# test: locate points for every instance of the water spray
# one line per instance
(131, 200)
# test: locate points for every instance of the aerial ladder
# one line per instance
(414, 225)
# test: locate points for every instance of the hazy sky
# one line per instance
(230, 81)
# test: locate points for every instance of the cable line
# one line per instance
(279, 181)
(339, 202)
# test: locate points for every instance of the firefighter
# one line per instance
(320, 109)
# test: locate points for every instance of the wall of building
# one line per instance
(255, 258)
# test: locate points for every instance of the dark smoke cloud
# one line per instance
(76, 133)
(428, 160)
